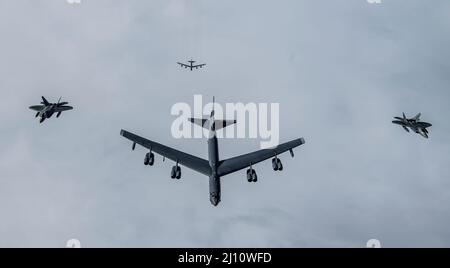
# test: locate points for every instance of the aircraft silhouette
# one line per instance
(47, 109)
(214, 167)
(414, 124)
(191, 65)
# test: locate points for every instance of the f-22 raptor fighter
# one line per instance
(214, 167)
(414, 124)
(47, 109)
(191, 65)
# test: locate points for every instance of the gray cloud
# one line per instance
(339, 69)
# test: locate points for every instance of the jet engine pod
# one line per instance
(251, 175)
(151, 159)
(147, 159)
(276, 164)
(175, 172)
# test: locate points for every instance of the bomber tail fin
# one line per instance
(218, 124)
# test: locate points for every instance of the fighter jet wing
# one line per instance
(423, 124)
(63, 108)
(187, 160)
(398, 122)
(37, 108)
(240, 162)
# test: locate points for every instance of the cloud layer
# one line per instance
(339, 69)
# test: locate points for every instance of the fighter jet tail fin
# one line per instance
(44, 101)
(417, 117)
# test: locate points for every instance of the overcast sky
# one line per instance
(339, 69)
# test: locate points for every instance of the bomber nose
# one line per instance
(214, 200)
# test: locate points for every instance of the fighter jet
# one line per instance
(47, 109)
(414, 124)
(214, 167)
(191, 65)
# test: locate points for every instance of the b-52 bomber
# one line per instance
(214, 167)
(414, 124)
(47, 109)
(191, 65)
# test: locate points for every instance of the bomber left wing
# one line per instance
(195, 163)
(183, 65)
(243, 161)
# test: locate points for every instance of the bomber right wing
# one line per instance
(199, 65)
(195, 163)
(240, 162)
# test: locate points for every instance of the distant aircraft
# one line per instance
(191, 65)
(47, 109)
(214, 168)
(414, 124)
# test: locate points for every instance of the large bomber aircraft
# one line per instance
(191, 65)
(214, 167)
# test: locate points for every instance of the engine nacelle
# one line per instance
(251, 175)
(175, 172)
(149, 159)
